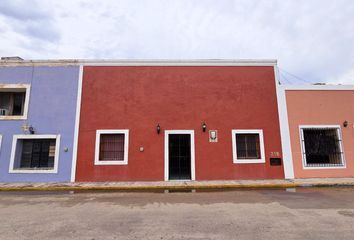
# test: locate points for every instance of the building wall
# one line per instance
(327, 107)
(138, 98)
(52, 109)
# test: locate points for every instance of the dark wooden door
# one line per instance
(179, 149)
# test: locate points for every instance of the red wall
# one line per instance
(137, 98)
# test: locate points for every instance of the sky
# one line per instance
(313, 40)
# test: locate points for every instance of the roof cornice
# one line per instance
(142, 62)
(307, 87)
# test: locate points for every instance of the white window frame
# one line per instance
(191, 133)
(126, 146)
(35, 136)
(234, 147)
(303, 157)
(16, 88)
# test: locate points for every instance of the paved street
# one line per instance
(304, 213)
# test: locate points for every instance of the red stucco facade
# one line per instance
(178, 97)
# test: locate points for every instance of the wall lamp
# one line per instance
(27, 128)
(345, 123)
(31, 130)
(204, 126)
(158, 128)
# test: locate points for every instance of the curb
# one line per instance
(132, 188)
(170, 187)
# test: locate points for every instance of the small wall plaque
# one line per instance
(213, 136)
(275, 161)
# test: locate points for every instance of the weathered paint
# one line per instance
(316, 107)
(52, 110)
(138, 98)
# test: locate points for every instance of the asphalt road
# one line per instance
(319, 213)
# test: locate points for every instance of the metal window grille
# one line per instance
(322, 147)
(247, 146)
(37, 153)
(112, 147)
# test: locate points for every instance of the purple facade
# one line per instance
(51, 111)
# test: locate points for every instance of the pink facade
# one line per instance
(321, 107)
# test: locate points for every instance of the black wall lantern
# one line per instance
(31, 130)
(158, 128)
(27, 128)
(204, 126)
(345, 123)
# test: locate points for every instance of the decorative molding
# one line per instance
(142, 62)
(34, 136)
(234, 146)
(288, 164)
(77, 124)
(191, 133)
(339, 132)
(17, 88)
(126, 147)
(317, 87)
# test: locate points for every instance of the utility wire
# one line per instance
(294, 76)
(282, 76)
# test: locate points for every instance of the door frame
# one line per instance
(191, 133)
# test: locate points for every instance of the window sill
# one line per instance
(329, 167)
(245, 161)
(33, 170)
(13, 117)
(107, 163)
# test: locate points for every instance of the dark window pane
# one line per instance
(12, 103)
(322, 147)
(112, 147)
(5, 103)
(36, 153)
(26, 154)
(247, 146)
(19, 99)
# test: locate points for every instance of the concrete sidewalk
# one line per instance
(151, 185)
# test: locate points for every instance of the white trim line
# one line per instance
(234, 147)
(216, 62)
(0, 141)
(77, 124)
(317, 87)
(15, 87)
(341, 145)
(142, 62)
(320, 126)
(126, 147)
(288, 164)
(191, 132)
(42, 136)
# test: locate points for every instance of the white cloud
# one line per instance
(312, 39)
(345, 78)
